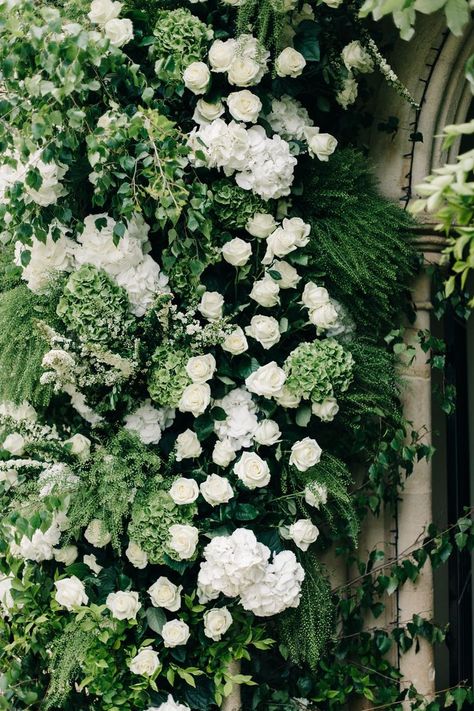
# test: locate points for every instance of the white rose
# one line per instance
(305, 454)
(137, 557)
(195, 398)
(289, 277)
(268, 380)
(283, 241)
(315, 494)
(123, 605)
(244, 71)
(96, 534)
(237, 252)
(175, 633)
(261, 225)
(320, 145)
(196, 77)
(201, 368)
(314, 296)
(266, 292)
(145, 663)
(70, 593)
(252, 470)
(164, 593)
(216, 490)
(91, 562)
(235, 343)
(184, 540)
(244, 106)
(326, 410)
(104, 10)
(66, 555)
(217, 622)
(348, 93)
(221, 54)
(14, 443)
(170, 705)
(355, 56)
(223, 453)
(303, 533)
(79, 445)
(184, 491)
(211, 305)
(188, 445)
(207, 111)
(267, 433)
(265, 330)
(290, 63)
(323, 316)
(119, 32)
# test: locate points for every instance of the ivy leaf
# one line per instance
(156, 618)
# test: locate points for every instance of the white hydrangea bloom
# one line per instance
(289, 118)
(241, 422)
(147, 421)
(46, 258)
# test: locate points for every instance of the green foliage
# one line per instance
(116, 469)
(96, 308)
(233, 206)
(10, 275)
(167, 376)
(21, 346)
(319, 370)
(266, 18)
(359, 240)
(68, 652)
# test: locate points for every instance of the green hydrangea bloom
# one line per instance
(180, 38)
(96, 308)
(167, 376)
(152, 515)
(319, 370)
(234, 206)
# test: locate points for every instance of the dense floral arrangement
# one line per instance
(189, 357)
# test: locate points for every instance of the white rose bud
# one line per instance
(216, 490)
(305, 453)
(326, 410)
(201, 368)
(145, 663)
(244, 106)
(188, 446)
(289, 277)
(252, 470)
(123, 605)
(175, 633)
(96, 534)
(104, 10)
(287, 399)
(237, 252)
(223, 453)
(66, 555)
(79, 445)
(217, 622)
(119, 32)
(184, 491)
(137, 557)
(206, 111)
(235, 343)
(323, 316)
(290, 63)
(303, 533)
(315, 494)
(320, 145)
(211, 305)
(314, 296)
(221, 54)
(15, 444)
(265, 292)
(70, 593)
(196, 77)
(164, 593)
(355, 56)
(184, 540)
(244, 71)
(267, 433)
(267, 381)
(261, 225)
(195, 398)
(265, 330)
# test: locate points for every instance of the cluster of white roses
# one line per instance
(148, 422)
(105, 13)
(128, 262)
(356, 60)
(239, 566)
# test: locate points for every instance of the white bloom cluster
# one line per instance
(55, 254)
(105, 14)
(292, 234)
(19, 413)
(238, 565)
(148, 422)
(240, 425)
(321, 311)
(244, 60)
(6, 599)
(40, 546)
(289, 118)
(262, 164)
(50, 190)
(170, 704)
(128, 261)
